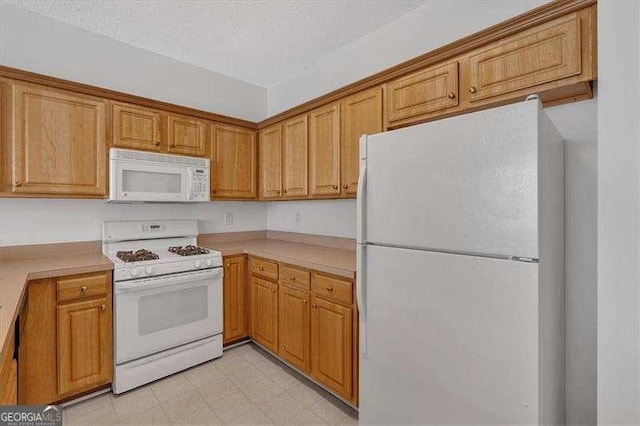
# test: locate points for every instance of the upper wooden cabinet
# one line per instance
(235, 299)
(186, 135)
(294, 157)
(53, 142)
(422, 93)
(135, 127)
(270, 159)
(546, 53)
(233, 162)
(324, 151)
(361, 114)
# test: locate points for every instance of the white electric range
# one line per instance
(167, 299)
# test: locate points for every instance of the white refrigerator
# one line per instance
(460, 275)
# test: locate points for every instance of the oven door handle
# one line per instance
(168, 280)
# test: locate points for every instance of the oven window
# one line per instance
(139, 181)
(172, 309)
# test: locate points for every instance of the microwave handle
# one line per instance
(190, 179)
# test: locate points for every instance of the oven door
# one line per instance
(159, 313)
(149, 181)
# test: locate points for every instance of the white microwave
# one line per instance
(138, 176)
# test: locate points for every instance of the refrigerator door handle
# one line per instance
(361, 240)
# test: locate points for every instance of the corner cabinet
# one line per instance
(235, 299)
(233, 162)
(66, 343)
(270, 162)
(53, 142)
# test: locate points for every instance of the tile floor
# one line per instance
(246, 386)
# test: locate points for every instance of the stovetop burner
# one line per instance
(189, 250)
(136, 256)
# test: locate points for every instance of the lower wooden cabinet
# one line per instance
(235, 299)
(66, 344)
(264, 313)
(294, 339)
(332, 345)
(9, 372)
(84, 345)
(308, 319)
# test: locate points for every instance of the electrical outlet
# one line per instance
(228, 219)
(297, 218)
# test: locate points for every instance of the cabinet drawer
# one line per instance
(81, 286)
(264, 268)
(332, 288)
(294, 277)
(423, 92)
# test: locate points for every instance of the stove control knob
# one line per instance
(197, 263)
(208, 262)
(135, 272)
(150, 270)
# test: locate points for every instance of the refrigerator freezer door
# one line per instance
(464, 184)
(451, 339)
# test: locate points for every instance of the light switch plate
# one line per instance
(228, 219)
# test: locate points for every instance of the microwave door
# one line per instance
(140, 181)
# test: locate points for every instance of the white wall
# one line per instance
(619, 213)
(40, 44)
(336, 218)
(436, 23)
(430, 26)
(36, 221)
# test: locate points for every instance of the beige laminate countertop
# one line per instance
(324, 259)
(14, 276)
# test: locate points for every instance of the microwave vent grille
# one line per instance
(125, 154)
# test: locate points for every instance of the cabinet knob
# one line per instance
(157, 143)
(451, 95)
(260, 268)
(335, 186)
(329, 289)
(17, 183)
(292, 278)
(473, 89)
(273, 291)
(315, 306)
(345, 186)
(284, 191)
(228, 265)
(278, 191)
(103, 307)
(304, 301)
(83, 288)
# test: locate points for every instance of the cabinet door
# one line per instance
(136, 127)
(264, 313)
(294, 327)
(186, 135)
(59, 142)
(546, 53)
(84, 345)
(233, 162)
(332, 346)
(270, 158)
(423, 92)
(235, 289)
(294, 158)
(361, 115)
(324, 151)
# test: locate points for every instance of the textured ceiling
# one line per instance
(261, 42)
